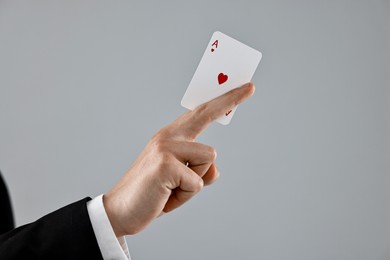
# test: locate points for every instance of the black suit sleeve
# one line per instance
(63, 234)
(6, 216)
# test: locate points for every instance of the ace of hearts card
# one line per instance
(226, 64)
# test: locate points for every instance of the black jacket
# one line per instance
(6, 217)
(63, 234)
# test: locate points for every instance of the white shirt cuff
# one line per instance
(110, 246)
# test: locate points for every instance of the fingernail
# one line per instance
(251, 86)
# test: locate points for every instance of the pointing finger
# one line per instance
(193, 123)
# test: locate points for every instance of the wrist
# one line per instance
(115, 224)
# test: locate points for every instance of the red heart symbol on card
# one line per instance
(227, 113)
(222, 78)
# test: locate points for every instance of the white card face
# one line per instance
(226, 64)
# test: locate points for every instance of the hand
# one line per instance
(171, 169)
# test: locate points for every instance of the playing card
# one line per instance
(226, 64)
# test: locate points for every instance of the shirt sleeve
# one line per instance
(110, 246)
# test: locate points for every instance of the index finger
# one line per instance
(193, 123)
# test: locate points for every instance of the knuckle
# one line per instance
(161, 134)
(199, 185)
(160, 146)
(212, 153)
(203, 111)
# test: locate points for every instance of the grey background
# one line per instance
(305, 162)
